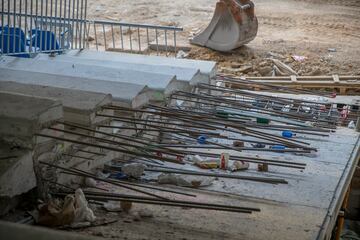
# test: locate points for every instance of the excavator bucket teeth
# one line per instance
(234, 24)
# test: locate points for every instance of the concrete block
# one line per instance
(79, 106)
(122, 93)
(21, 116)
(160, 82)
(207, 68)
(191, 76)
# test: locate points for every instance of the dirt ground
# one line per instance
(326, 32)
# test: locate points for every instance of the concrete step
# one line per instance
(207, 68)
(21, 116)
(190, 75)
(79, 106)
(161, 82)
(122, 93)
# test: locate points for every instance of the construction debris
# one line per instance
(184, 181)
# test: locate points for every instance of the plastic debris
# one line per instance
(182, 54)
(54, 214)
(112, 206)
(185, 181)
(119, 176)
(278, 147)
(82, 212)
(134, 170)
(90, 182)
(299, 58)
(262, 120)
(352, 125)
(238, 165)
(224, 160)
(259, 145)
(202, 139)
(207, 164)
(263, 167)
(238, 144)
(288, 134)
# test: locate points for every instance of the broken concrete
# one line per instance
(17, 174)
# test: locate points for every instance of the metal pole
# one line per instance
(81, 23)
(166, 46)
(77, 24)
(157, 41)
(46, 24)
(96, 41)
(2, 26)
(59, 24)
(14, 26)
(121, 37)
(139, 40)
(112, 34)
(84, 22)
(73, 24)
(8, 28)
(20, 28)
(53, 42)
(175, 50)
(26, 24)
(103, 27)
(130, 39)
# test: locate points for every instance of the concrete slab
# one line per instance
(161, 82)
(317, 192)
(187, 75)
(21, 116)
(122, 93)
(207, 68)
(79, 106)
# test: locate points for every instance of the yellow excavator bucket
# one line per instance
(234, 24)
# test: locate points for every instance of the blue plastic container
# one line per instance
(278, 147)
(288, 134)
(202, 139)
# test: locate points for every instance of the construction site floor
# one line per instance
(306, 208)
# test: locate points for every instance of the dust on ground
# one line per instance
(326, 32)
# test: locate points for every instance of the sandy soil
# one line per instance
(286, 27)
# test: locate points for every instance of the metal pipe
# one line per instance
(132, 153)
(2, 27)
(77, 24)
(136, 199)
(75, 171)
(121, 38)
(104, 35)
(218, 175)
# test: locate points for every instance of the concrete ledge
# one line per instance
(79, 106)
(22, 115)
